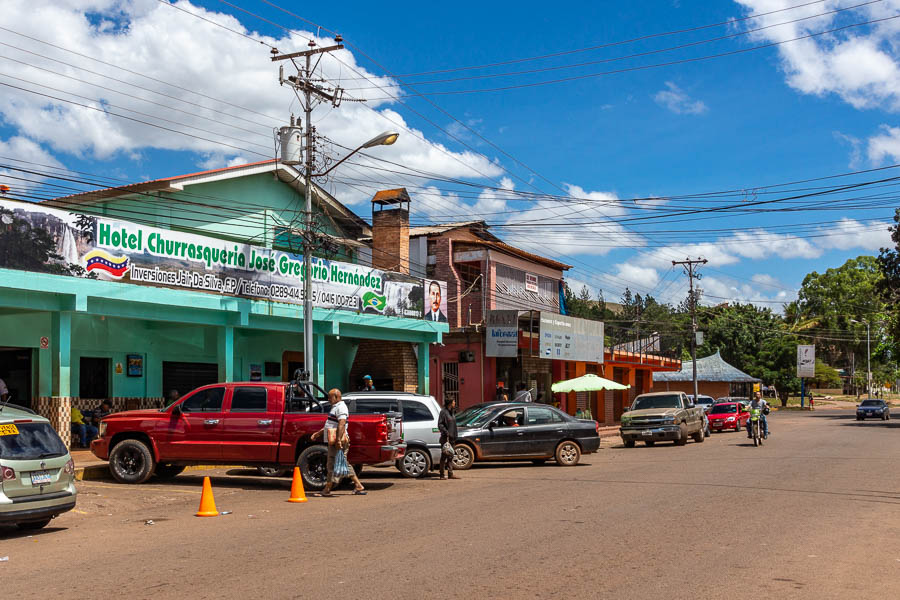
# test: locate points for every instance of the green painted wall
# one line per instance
(247, 209)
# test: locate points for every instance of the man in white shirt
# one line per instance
(335, 435)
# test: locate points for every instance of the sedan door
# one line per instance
(544, 428)
(252, 425)
(505, 435)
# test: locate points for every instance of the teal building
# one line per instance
(69, 341)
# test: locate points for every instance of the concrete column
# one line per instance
(61, 353)
(423, 370)
(319, 375)
(226, 353)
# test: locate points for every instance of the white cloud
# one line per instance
(849, 233)
(23, 153)
(885, 146)
(235, 96)
(859, 65)
(676, 100)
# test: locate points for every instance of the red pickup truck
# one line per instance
(253, 423)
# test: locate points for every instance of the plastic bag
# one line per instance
(341, 467)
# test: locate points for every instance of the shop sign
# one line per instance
(570, 338)
(502, 331)
(96, 247)
(531, 282)
(806, 361)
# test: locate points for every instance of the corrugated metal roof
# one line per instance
(711, 368)
(441, 228)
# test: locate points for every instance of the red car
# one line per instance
(727, 415)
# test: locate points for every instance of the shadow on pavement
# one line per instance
(874, 423)
(244, 479)
(11, 532)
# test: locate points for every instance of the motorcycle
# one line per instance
(756, 426)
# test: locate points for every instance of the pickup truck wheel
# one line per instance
(131, 462)
(567, 454)
(313, 463)
(628, 443)
(167, 471)
(699, 437)
(464, 457)
(415, 463)
(681, 441)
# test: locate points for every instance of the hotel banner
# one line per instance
(37, 238)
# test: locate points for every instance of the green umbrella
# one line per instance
(587, 383)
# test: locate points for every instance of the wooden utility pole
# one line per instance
(689, 270)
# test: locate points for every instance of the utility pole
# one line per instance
(689, 265)
(312, 93)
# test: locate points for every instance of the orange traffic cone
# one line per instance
(207, 503)
(297, 493)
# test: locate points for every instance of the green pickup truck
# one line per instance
(662, 416)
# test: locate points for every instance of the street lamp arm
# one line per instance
(385, 139)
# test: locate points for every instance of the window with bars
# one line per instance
(451, 382)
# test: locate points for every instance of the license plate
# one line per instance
(646, 432)
(40, 477)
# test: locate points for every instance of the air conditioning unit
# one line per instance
(466, 356)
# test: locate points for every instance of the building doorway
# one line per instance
(186, 376)
(15, 371)
(93, 378)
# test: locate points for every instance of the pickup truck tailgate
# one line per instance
(395, 428)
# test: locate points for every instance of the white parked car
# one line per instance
(420, 425)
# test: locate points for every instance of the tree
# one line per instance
(888, 287)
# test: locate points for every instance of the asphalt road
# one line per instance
(814, 513)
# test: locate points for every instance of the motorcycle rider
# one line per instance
(762, 405)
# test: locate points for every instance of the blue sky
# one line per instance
(802, 110)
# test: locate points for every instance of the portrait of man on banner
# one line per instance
(435, 301)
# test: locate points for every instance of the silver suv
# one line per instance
(420, 425)
(37, 475)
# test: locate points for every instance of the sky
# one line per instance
(646, 132)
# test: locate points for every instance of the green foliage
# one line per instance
(826, 377)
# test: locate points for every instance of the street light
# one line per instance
(382, 139)
(868, 361)
(385, 139)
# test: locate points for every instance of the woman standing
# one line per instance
(447, 427)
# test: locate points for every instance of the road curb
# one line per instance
(101, 472)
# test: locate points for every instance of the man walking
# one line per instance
(447, 427)
(335, 432)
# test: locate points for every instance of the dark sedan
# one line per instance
(878, 409)
(522, 431)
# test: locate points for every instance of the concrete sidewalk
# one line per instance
(88, 466)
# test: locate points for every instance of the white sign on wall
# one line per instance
(806, 361)
(570, 338)
(531, 282)
(502, 330)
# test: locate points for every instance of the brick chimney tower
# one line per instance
(390, 230)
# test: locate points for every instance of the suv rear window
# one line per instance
(33, 441)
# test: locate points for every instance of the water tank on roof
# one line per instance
(291, 145)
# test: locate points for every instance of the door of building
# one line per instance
(93, 378)
(187, 376)
(15, 371)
